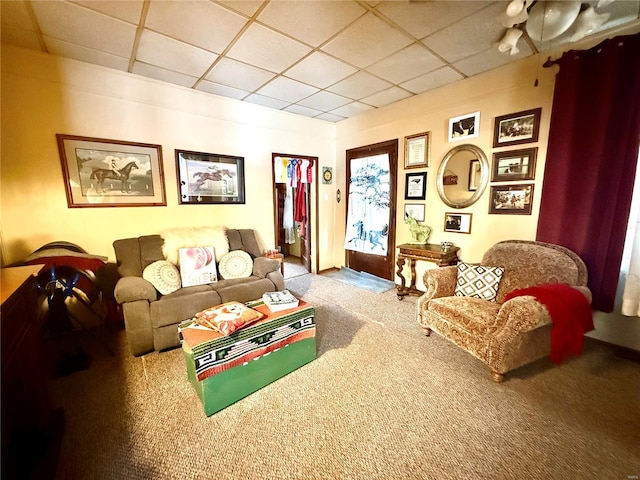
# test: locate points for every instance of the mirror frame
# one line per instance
(484, 175)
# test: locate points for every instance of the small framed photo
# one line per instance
(415, 210)
(415, 186)
(111, 173)
(416, 150)
(457, 222)
(511, 199)
(464, 127)
(475, 173)
(516, 128)
(208, 178)
(514, 165)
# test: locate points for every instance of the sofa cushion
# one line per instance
(236, 264)
(478, 281)
(471, 314)
(163, 275)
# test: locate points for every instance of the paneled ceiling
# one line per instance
(324, 59)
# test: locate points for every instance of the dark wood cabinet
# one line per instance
(27, 419)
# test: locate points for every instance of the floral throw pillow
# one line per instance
(228, 317)
(478, 281)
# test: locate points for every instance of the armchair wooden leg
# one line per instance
(427, 331)
(497, 377)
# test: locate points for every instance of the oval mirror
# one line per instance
(462, 176)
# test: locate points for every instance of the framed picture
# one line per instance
(209, 178)
(457, 222)
(516, 128)
(474, 175)
(514, 165)
(416, 150)
(111, 173)
(511, 199)
(415, 186)
(464, 127)
(415, 210)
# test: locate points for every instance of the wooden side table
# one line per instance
(428, 253)
(279, 257)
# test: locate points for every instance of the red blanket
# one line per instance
(570, 313)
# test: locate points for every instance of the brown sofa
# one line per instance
(151, 319)
(503, 334)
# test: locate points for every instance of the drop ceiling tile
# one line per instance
(239, 75)
(171, 54)
(75, 24)
(424, 18)
(386, 97)
(490, 59)
(202, 24)
(352, 109)
(300, 110)
(266, 101)
(320, 70)
(246, 7)
(163, 74)
(410, 62)
(127, 10)
(330, 117)
(70, 50)
(432, 80)
(267, 49)
(367, 41)
(470, 36)
(222, 90)
(287, 90)
(324, 101)
(361, 84)
(313, 22)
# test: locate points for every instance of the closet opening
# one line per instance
(295, 193)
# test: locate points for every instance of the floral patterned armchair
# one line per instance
(503, 334)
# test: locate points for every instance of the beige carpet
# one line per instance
(381, 401)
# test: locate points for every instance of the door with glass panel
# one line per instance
(371, 210)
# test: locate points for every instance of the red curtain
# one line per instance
(592, 157)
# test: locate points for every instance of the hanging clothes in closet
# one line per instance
(295, 173)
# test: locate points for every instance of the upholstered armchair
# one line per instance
(503, 334)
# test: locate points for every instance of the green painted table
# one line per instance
(224, 370)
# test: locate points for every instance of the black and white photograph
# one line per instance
(516, 128)
(209, 178)
(514, 165)
(457, 222)
(464, 127)
(111, 173)
(511, 199)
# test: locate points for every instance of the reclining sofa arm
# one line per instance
(262, 266)
(132, 289)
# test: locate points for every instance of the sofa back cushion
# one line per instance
(529, 263)
(133, 255)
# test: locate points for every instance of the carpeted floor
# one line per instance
(361, 280)
(381, 401)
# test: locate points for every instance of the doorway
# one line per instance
(295, 192)
(371, 208)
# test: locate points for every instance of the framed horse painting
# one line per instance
(111, 173)
(209, 178)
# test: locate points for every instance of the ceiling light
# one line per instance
(545, 20)
(548, 20)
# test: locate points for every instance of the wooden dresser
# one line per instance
(26, 411)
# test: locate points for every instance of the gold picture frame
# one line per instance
(417, 150)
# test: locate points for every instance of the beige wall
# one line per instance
(498, 92)
(43, 95)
